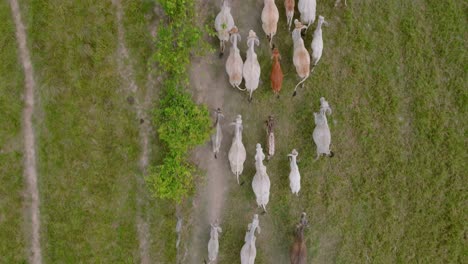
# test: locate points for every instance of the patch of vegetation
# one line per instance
(182, 124)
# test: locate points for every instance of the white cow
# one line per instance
(294, 175)
(301, 56)
(317, 42)
(217, 137)
(237, 152)
(324, 106)
(223, 24)
(251, 70)
(321, 135)
(234, 63)
(213, 244)
(270, 17)
(261, 181)
(307, 9)
(248, 251)
(337, 2)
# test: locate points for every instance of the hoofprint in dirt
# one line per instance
(30, 167)
(135, 96)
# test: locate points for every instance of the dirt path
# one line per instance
(211, 87)
(131, 88)
(210, 198)
(30, 168)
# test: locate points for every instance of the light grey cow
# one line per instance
(317, 43)
(249, 251)
(324, 106)
(321, 135)
(251, 70)
(261, 181)
(223, 24)
(213, 244)
(237, 152)
(217, 137)
(294, 175)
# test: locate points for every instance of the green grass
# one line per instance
(160, 214)
(88, 135)
(12, 236)
(394, 73)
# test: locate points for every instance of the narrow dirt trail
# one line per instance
(30, 166)
(208, 80)
(211, 197)
(211, 87)
(134, 93)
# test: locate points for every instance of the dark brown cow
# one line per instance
(299, 250)
(276, 76)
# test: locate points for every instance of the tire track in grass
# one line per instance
(127, 73)
(30, 167)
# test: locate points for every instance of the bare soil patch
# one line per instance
(30, 166)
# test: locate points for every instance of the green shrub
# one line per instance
(174, 46)
(172, 179)
(181, 124)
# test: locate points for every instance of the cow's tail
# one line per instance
(237, 86)
(301, 82)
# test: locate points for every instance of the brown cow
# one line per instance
(299, 249)
(276, 76)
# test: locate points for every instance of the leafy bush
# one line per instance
(172, 179)
(182, 124)
(174, 45)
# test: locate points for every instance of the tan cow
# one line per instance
(289, 6)
(234, 63)
(301, 56)
(270, 17)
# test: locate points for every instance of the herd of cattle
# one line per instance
(249, 71)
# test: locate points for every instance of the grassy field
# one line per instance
(394, 73)
(12, 247)
(88, 141)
